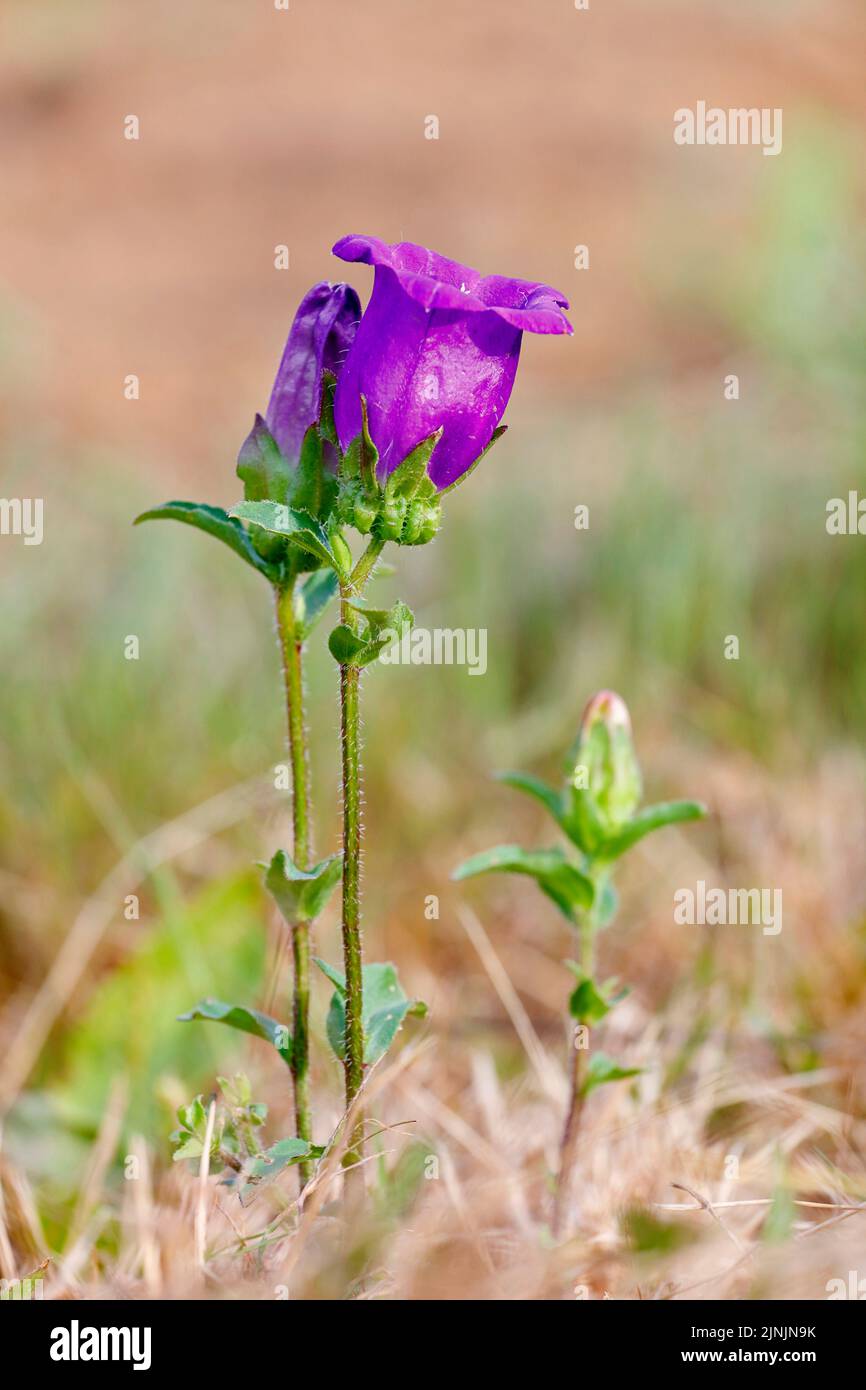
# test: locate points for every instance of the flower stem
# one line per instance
(291, 649)
(577, 1076)
(353, 956)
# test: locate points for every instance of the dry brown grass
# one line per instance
(483, 1091)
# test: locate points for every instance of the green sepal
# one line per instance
(572, 891)
(327, 428)
(245, 1021)
(299, 527)
(301, 894)
(581, 821)
(648, 820)
(409, 475)
(214, 521)
(362, 457)
(262, 467)
(603, 1069)
(497, 434)
(384, 1008)
(313, 488)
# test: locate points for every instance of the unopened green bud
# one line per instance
(423, 518)
(605, 778)
(389, 522)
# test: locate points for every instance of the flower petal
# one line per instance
(319, 339)
(436, 282)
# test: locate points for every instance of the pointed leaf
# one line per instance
(384, 1007)
(653, 818)
(245, 1021)
(214, 521)
(301, 894)
(533, 786)
(603, 1069)
(555, 875)
(337, 980)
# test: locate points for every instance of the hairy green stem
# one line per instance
(291, 649)
(353, 956)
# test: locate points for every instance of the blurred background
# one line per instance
(262, 128)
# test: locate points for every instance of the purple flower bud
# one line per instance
(438, 346)
(319, 340)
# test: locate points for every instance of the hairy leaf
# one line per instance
(301, 894)
(384, 1007)
(246, 1021)
(214, 521)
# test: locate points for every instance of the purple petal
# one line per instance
(320, 337)
(420, 370)
(436, 282)
(437, 347)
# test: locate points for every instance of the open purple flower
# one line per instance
(437, 347)
(319, 339)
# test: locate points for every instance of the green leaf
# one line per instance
(345, 646)
(214, 522)
(497, 434)
(384, 1007)
(380, 626)
(311, 598)
(645, 822)
(603, 1069)
(533, 786)
(190, 1147)
(301, 528)
(301, 894)
(266, 1166)
(555, 875)
(262, 468)
(246, 1021)
(408, 476)
(587, 1004)
(337, 980)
